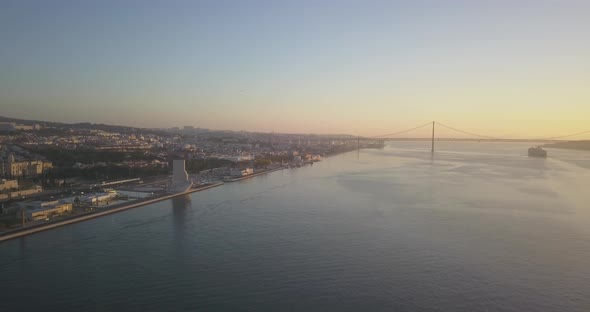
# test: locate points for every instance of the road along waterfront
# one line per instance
(7, 235)
(95, 214)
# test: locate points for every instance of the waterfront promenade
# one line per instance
(78, 218)
(118, 208)
(28, 230)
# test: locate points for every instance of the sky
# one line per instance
(515, 69)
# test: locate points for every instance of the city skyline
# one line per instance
(514, 70)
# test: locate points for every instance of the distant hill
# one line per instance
(125, 129)
(577, 145)
(83, 125)
(29, 122)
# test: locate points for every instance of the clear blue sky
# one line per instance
(505, 68)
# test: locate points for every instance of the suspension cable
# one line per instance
(403, 131)
(466, 132)
(474, 134)
(564, 136)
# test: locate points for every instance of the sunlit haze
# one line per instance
(301, 155)
(515, 69)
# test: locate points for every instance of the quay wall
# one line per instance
(43, 227)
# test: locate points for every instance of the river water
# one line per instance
(476, 227)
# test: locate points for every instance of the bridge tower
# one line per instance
(432, 149)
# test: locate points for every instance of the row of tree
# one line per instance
(65, 157)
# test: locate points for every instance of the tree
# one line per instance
(262, 162)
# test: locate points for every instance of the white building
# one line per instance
(180, 181)
(38, 210)
(99, 197)
(241, 172)
(8, 184)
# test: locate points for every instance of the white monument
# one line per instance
(180, 182)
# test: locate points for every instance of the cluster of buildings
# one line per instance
(13, 127)
(26, 168)
(33, 210)
(16, 162)
(216, 155)
(226, 172)
(95, 139)
(10, 189)
(194, 143)
(38, 210)
(155, 148)
(93, 199)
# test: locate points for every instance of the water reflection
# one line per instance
(181, 205)
(476, 226)
(23, 246)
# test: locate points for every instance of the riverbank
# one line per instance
(282, 168)
(125, 206)
(254, 175)
(341, 152)
(78, 218)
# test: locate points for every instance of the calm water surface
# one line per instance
(477, 227)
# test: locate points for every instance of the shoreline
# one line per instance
(20, 232)
(74, 219)
(253, 175)
(279, 168)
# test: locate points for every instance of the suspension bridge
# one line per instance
(393, 136)
(381, 139)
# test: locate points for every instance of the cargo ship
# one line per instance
(537, 152)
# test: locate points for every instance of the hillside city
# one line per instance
(52, 171)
